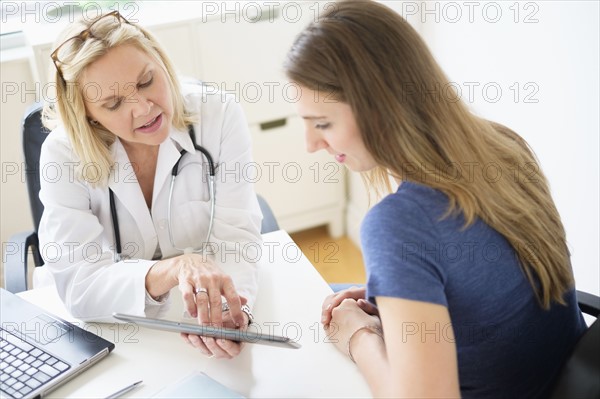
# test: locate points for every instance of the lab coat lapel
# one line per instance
(129, 194)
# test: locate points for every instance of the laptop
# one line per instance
(39, 351)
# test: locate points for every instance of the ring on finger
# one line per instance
(200, 290)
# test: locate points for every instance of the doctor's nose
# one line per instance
(141, 106)
(314, 141)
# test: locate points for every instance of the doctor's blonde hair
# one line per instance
(91, 143)
(416, 128)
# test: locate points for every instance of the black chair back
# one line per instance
(580, 375)
(33, 133)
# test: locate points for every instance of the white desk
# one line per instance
(289, 302)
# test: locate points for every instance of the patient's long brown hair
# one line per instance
(416, 127)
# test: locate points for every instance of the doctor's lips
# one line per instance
(152, 125)
(340, 158)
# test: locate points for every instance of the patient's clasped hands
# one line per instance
(345, 313)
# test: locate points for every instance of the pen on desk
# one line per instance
(124, 390)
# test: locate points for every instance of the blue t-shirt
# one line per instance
(507, 345)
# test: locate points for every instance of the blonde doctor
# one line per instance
(117, 233)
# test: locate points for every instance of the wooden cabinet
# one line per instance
(244, 54)
(304, 190)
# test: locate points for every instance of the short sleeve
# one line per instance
(400, 248)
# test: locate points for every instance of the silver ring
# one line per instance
(224, 307)
(199, 290)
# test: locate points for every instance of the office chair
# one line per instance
(580, 374)
(18, 246)
(33, 134)
(269, 223)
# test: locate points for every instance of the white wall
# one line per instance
(15, 214)
(557, 55)
(550, 50)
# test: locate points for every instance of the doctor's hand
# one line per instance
(334, 300)
(219, 348)
(202, 284)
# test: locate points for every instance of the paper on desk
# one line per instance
(197, 385)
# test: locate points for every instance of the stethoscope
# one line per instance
(174, 172)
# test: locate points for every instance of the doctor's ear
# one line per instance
(93, 122)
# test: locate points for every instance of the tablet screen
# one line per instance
(208, 331)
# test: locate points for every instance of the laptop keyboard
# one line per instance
(23, 367)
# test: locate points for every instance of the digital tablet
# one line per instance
(208, 331)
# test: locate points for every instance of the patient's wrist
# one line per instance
(364, 330)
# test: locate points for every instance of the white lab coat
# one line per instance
(76, 232)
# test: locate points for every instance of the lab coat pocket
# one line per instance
(191, 222)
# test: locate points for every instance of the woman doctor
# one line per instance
(121, 123)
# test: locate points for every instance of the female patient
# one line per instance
(470, 290)
(123, 123)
